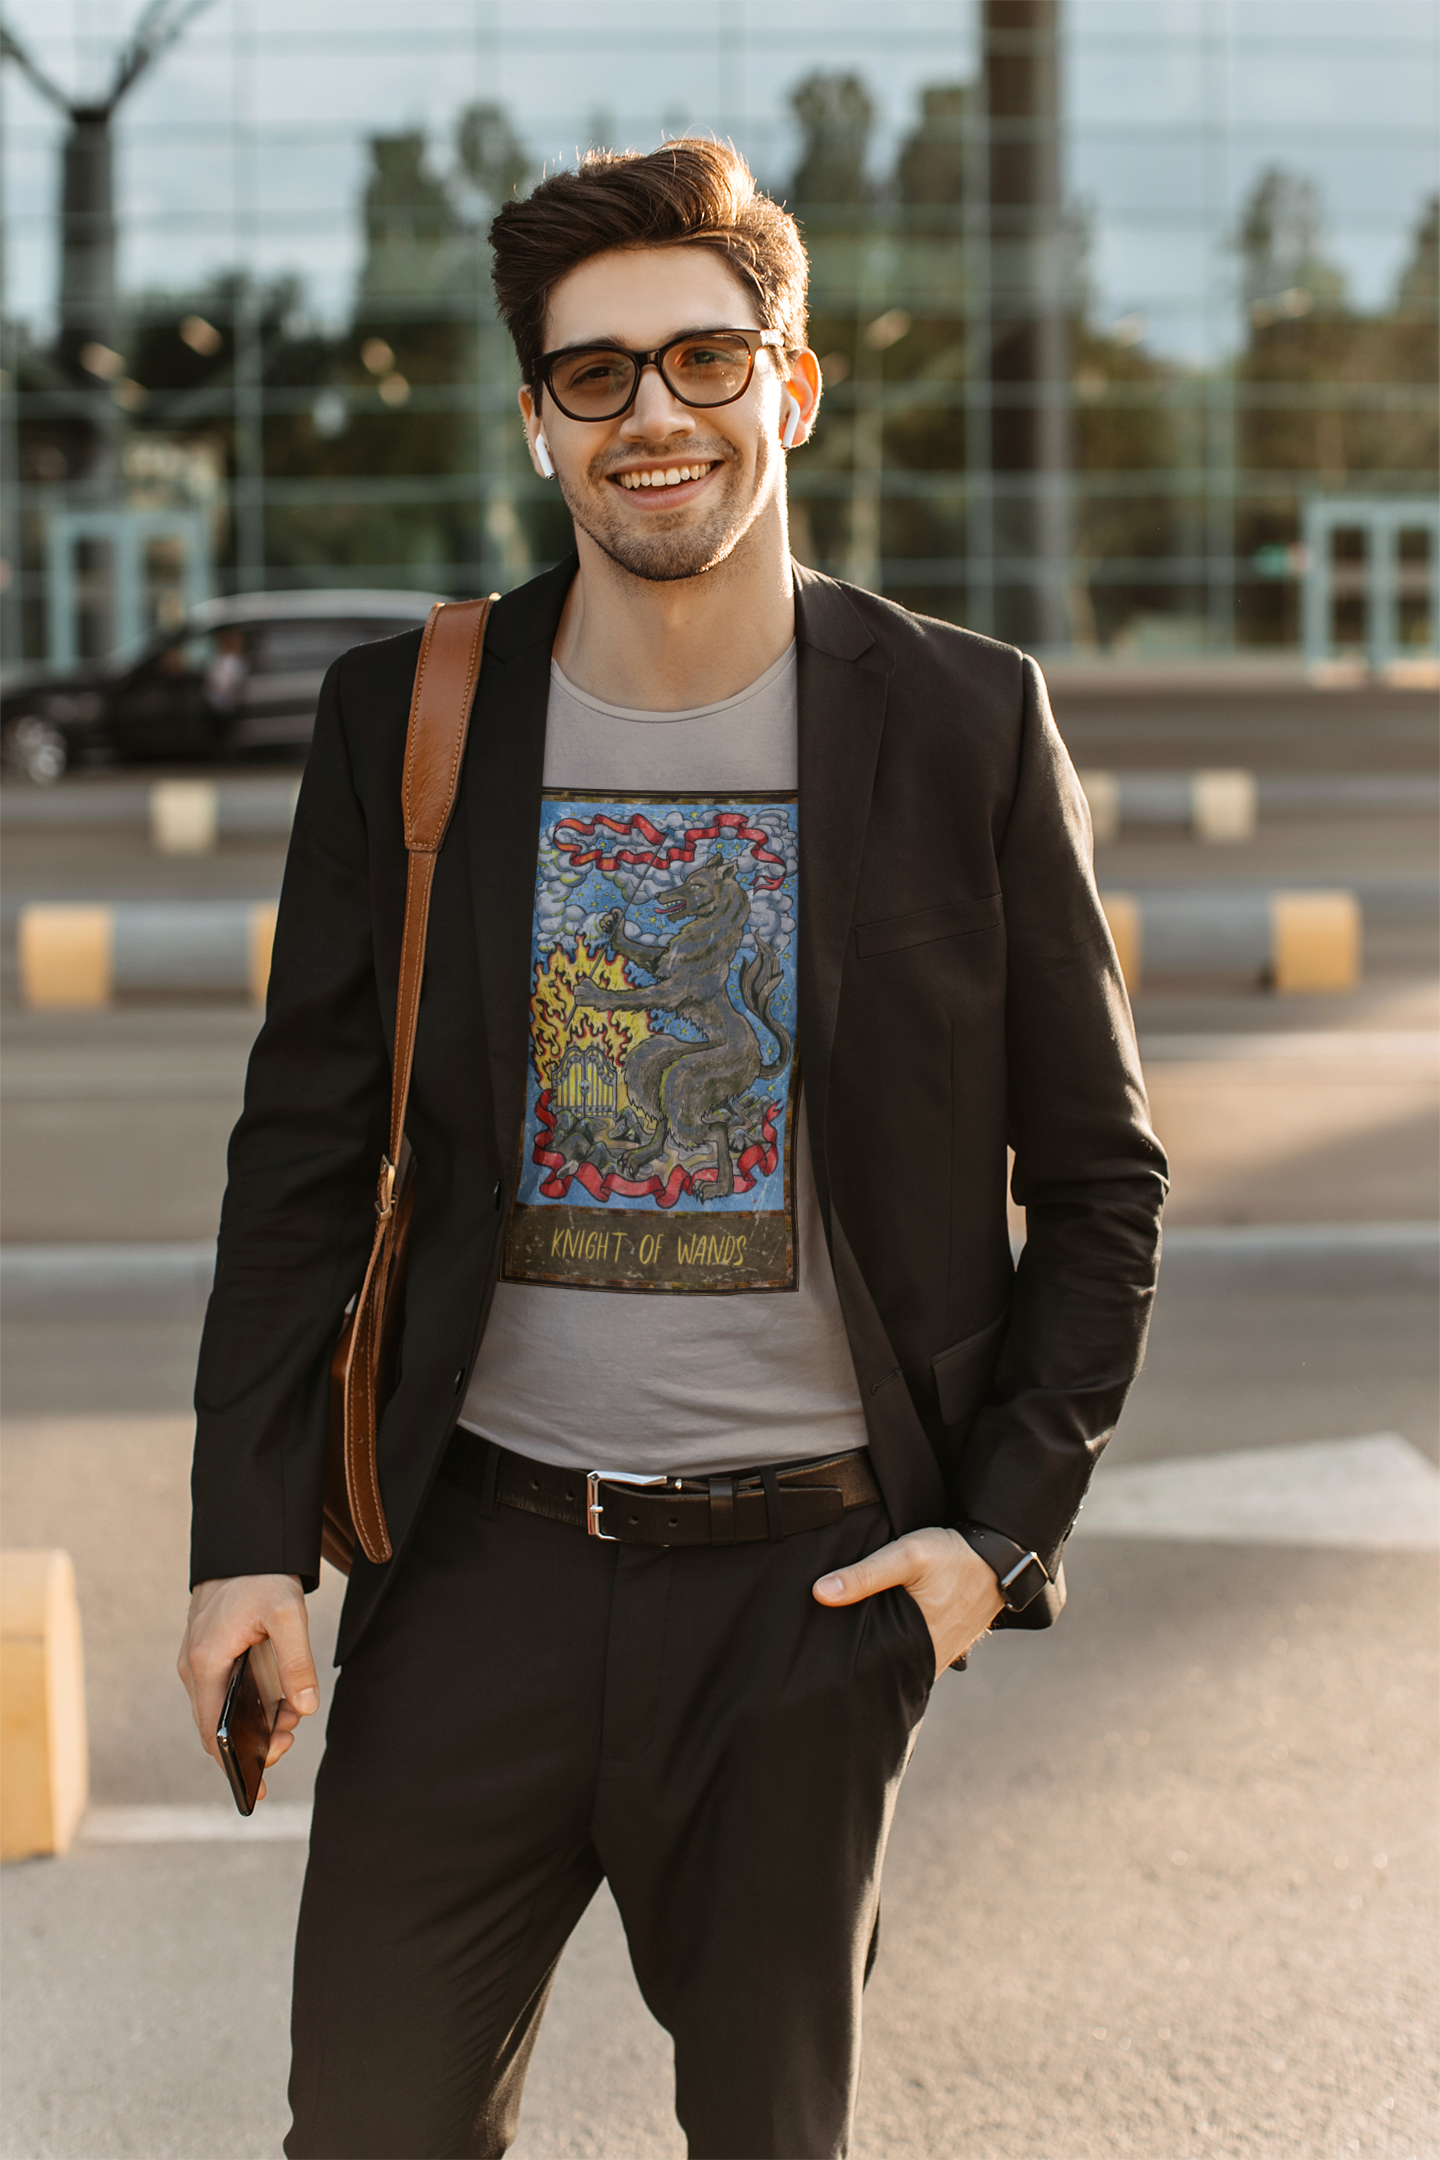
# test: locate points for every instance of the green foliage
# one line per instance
(392, 440)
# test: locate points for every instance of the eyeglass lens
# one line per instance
(599, 385)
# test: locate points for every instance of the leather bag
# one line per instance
(362, 1368)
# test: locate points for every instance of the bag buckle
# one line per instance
(595, 1506)
(385, 1192)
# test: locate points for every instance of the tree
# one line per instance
(836, 116)
(931, 168)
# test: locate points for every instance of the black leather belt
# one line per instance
(737, 1509)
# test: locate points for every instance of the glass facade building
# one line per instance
(1127, 308)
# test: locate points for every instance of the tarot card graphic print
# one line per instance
(659, 1108)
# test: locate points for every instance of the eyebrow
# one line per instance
(615, 344)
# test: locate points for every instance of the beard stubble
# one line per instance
(661, 557)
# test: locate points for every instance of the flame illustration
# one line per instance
(555, 1023)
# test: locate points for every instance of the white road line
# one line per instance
(1238, 1239)
(1375, 1494)
(1368, 1046)
(273, 1821)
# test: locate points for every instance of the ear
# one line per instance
(803, 385)
(535, 435)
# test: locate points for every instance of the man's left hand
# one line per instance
(953, 1587)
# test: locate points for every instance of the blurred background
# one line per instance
(1119, 301)
(1128, 317)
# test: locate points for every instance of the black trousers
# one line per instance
(534, 1710)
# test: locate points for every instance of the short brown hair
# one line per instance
(686, 194)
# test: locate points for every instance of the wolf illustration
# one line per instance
(687, 1090)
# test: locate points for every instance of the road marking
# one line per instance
(1294, 1241)
(1366, 1046)
(1235, 1240)
(282, 1821)
(1374, 1494)
(156, 1280)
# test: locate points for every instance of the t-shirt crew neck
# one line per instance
(742, 742)
(661, 716)
(667, 1303)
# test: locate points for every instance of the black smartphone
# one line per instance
(252, 1704)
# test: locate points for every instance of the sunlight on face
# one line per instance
(671, 526)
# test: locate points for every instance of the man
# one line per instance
(765, 919)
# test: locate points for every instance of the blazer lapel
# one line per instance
(505, 765)
(843, 682)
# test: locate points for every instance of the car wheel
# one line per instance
(37, 748)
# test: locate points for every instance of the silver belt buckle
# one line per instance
(595, 1506)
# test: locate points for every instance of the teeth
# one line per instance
(673, 476)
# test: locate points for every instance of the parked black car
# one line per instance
(240, 676)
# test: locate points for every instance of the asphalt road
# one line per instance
(1162, 1881)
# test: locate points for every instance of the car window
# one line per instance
(307, 645)
(192, 655)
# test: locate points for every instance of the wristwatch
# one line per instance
(1021, 1574)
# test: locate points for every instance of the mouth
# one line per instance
(669, 483)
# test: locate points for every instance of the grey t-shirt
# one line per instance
(666, 1301)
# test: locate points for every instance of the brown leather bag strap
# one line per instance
(445, 678)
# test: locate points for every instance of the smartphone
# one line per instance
(252, 1704)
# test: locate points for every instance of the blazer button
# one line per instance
(459, 1379)
(499, 1189)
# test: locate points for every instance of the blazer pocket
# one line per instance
(964, 1371)
(956, 918)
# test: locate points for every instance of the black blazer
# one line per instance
(958, 991)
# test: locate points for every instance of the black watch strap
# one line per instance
(1021, 1574)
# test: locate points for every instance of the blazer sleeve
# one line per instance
(298, 1214)
(1089, 1171)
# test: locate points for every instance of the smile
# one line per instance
(666, 476)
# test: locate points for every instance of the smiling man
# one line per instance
(725, 1421)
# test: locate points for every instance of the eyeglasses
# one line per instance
(702, 368)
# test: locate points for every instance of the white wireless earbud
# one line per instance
(543, 458)
(790, 418)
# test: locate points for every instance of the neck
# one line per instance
(693, 641)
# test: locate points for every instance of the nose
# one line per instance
(656, 413)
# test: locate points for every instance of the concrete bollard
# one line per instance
(184, 816)
(1122, 912)
(1102, 793)
(1219, 806)
(1292, 941)
(67, 955)
(44, 1756)
(1223, 806)
(1315, 940)
(188, 817)
(73, 956)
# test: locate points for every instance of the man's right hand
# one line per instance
(226, 1617)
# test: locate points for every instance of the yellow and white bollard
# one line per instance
(44, 1753)
(81, 955)
(1219, 806)
(1292, 941)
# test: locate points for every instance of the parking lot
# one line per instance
(1163, 1880)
